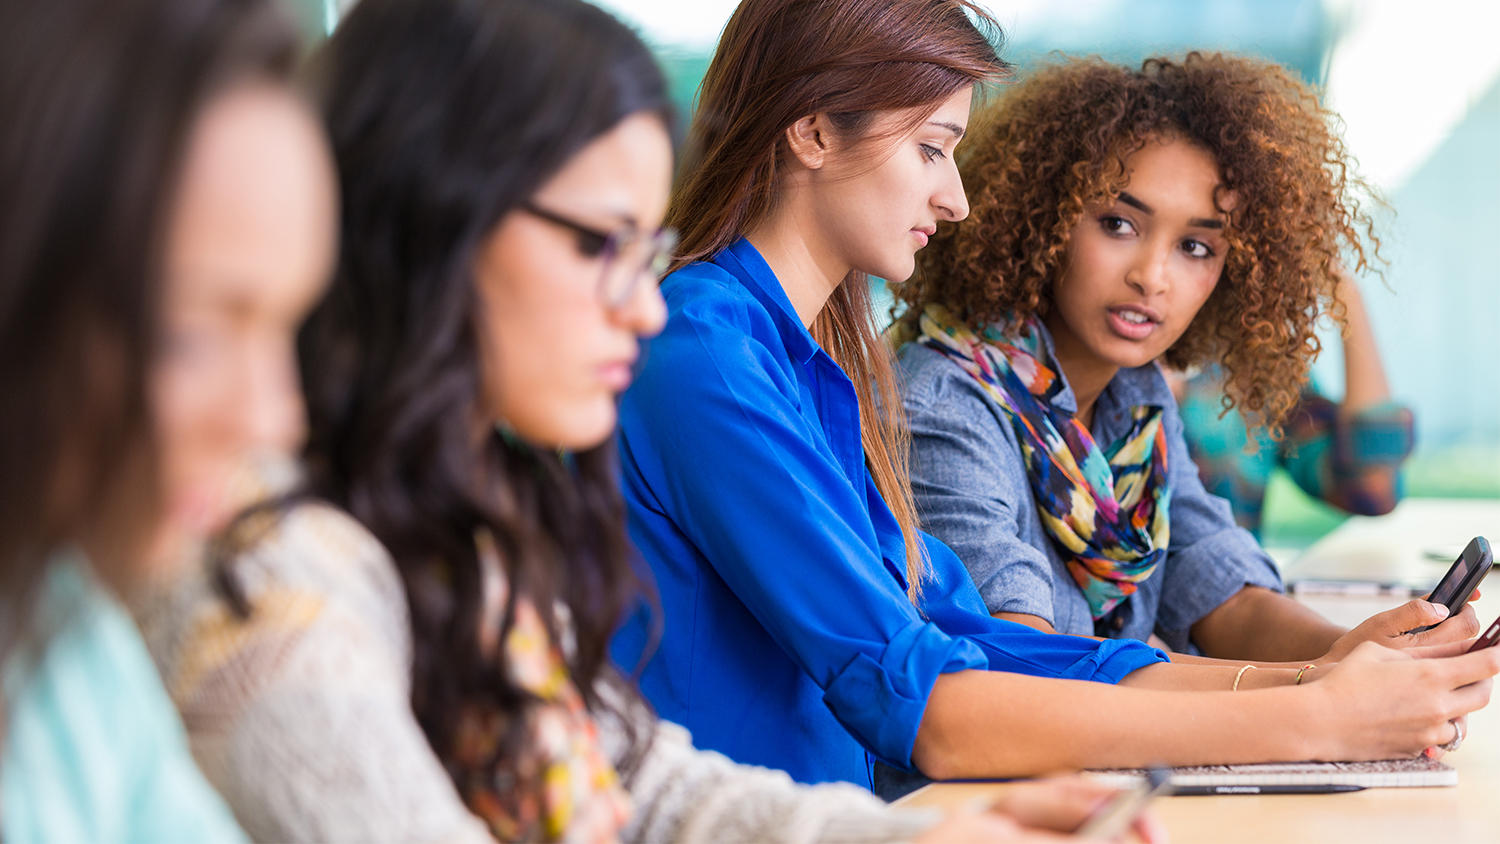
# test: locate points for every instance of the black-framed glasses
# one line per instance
(627, 253)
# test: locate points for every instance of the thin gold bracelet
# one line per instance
(1298, 681)
(1237, 677)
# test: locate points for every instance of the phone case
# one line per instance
(1462, 577)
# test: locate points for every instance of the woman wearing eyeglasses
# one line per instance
(421, 654)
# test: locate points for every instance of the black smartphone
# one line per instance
(1454, 589)
(1113, 818)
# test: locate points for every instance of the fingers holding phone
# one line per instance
(1127, 811)
(1460, 730)
(1386, 703)
(1056, 810)
(1065, 804)
(1444, 616)
(1459, 626)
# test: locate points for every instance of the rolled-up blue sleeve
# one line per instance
(756, 489)
(1210, 558)
(951, 602)
(970, 485)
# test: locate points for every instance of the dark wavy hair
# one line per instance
(98, 99)
(444, 116)
(1057, 143)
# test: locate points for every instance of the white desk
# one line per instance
(1392, 548)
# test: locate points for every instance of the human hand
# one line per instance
(1390, 628)
(1443, 651)
(1381, 703)
(1064, 804)
(1461, 727)
(971, 826)
(1037, 812)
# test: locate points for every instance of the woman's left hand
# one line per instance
(1462, 725)
(1392, 628)
(1064, 804)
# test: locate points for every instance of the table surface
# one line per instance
(1469, 812)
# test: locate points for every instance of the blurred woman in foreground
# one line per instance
(166, 219)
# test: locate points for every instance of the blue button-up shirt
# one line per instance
(789, 640)
(972, 492)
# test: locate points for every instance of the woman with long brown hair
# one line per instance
(166, 219)
(810, 625)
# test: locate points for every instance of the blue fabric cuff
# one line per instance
(881, 703)
(1117, 658)
(1039, 654)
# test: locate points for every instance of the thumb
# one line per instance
(1418, 613)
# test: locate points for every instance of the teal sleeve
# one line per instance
(94, 749)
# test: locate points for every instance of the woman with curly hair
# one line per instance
(1191, 212)
(810, 624)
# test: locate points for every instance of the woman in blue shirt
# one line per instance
(808, 624)
(167, 216)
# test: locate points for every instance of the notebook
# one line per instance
(1420, 772)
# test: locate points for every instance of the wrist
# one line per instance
(1337, 648)
(1319, 736)
(1268, 678)
(1311, 672)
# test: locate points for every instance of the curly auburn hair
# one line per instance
(1056, 144)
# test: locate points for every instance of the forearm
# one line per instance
(1177, 658)
(992, 724)
(1364, 375)
(1260, 625)
(1033, 621)
(1205, 674)
(1236, 664)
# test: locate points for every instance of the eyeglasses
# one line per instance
(627, 254)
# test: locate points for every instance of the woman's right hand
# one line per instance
(1045, 810)
(984, 827)
(1382, 703)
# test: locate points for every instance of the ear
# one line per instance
(808, 140)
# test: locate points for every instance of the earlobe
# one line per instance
(805, 138)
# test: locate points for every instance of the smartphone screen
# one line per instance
(1447, 590)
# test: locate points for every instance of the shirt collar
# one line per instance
(1065, 400)
(744, 262)
(1129, 387)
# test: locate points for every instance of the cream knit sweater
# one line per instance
(301, 715)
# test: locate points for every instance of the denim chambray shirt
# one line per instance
(973, 494)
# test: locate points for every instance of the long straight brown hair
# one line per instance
(777, 62)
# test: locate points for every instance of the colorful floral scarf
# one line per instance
(1108, 508)
(562, 786)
